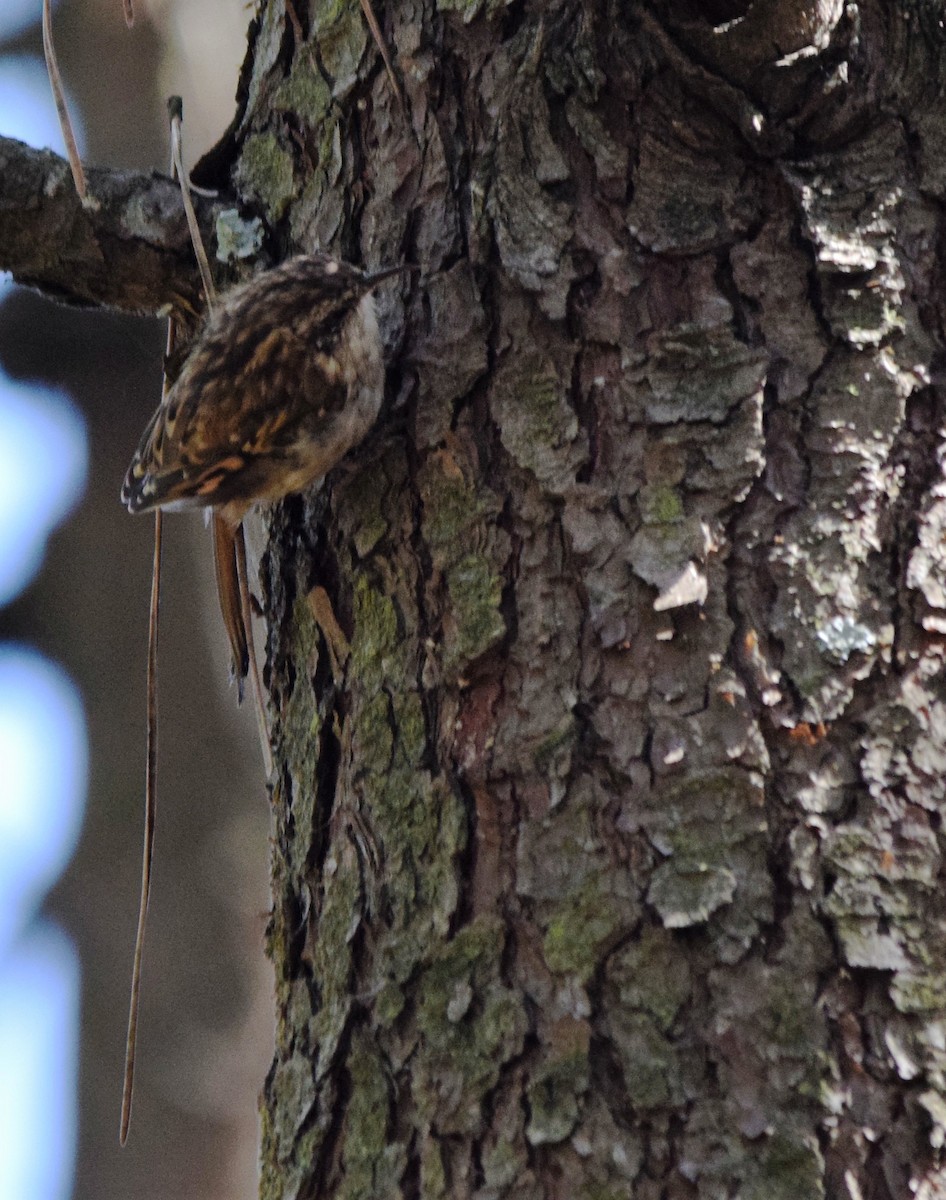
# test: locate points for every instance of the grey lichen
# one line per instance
(710, 827)
(475, 591)
(304, 93)
(688, 893)
(470, 552)
(842, 636)
(652, 1067)
(237, 237)
(652, 975)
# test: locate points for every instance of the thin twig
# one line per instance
(368, 10)
(294, 22)
(59, 96)
(175, 108)
(177, 168)
(129, 10)
(151, 781)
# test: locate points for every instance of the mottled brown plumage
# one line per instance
(286, 376)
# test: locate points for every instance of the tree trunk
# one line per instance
(607, 675)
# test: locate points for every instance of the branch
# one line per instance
(128, 247)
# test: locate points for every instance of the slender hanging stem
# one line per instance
(175, 108)
(151, 790)
(151, 779)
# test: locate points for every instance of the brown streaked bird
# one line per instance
(285, 377)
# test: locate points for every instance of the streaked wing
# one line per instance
(235, 414)
(260, 388)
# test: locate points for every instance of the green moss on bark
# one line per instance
(305, 94)
(475, 591)
(469, 1024)
(339, 29)
(373, 1162)
(553, 1095)
(582, 926)
(265, 172)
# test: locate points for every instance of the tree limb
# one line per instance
(127, 247)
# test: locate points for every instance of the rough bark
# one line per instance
(607, 677)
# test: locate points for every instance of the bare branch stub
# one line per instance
(129, 249)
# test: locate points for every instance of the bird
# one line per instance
(285, 377)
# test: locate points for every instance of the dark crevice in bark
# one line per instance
(587, 412)
(322, 1172)
(513, 18)
(466, 860)
(411, 1179)
(303, 11)
(326, 781)
(915, 451)
(286, 526)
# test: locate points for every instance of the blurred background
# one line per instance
(76, 388)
